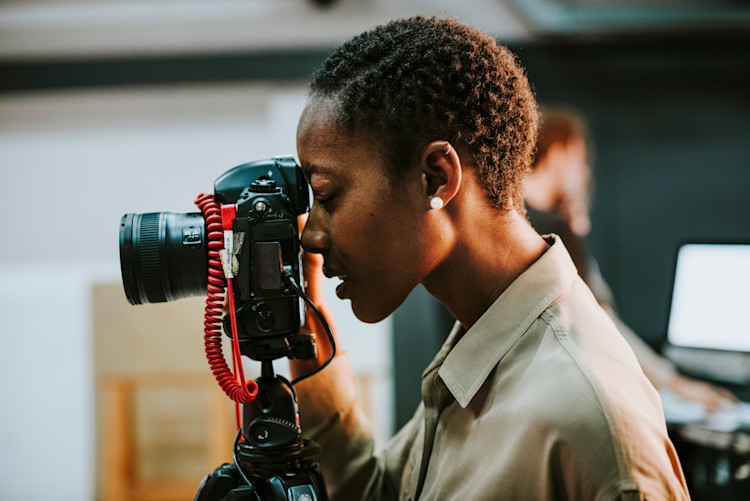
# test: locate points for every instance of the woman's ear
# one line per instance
(441, 173)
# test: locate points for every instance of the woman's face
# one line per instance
(370, 233)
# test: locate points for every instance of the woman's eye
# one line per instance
(322, 196)
(322, 199)
(323, 192)
(319, 196)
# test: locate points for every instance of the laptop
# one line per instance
(708, 331)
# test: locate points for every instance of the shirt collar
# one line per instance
(483, 347)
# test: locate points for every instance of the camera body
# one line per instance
(268, 195)
(164, 256)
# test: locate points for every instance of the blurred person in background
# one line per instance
(558, 193)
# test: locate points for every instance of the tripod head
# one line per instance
(271, 460)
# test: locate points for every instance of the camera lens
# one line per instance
(163, 256)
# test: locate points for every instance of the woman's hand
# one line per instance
(713, 397)
(312, 268)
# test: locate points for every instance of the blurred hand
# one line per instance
(312, 269)
(699, 391)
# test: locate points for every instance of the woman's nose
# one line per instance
(315, 236)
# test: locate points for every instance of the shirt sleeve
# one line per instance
(331, 416)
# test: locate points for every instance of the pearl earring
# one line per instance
(436, 203)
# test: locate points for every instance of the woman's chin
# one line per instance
(368, 314)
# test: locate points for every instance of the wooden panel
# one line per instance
(162, 420)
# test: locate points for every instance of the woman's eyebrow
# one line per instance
(309, 169)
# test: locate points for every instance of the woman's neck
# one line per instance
(500, 245)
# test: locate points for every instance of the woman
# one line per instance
(415, 140)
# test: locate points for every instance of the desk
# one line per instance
(716, 462)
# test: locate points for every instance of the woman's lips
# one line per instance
(341, 289)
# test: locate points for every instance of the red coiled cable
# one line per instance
(240, 391)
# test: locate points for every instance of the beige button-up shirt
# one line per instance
(541, 399)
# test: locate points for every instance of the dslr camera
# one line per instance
(164, 256)
(246, 238)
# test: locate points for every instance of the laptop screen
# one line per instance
(711, 297)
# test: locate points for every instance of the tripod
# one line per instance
(271, 460)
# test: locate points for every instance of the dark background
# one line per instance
(670, 119)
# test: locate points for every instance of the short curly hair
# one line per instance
(416, 80)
